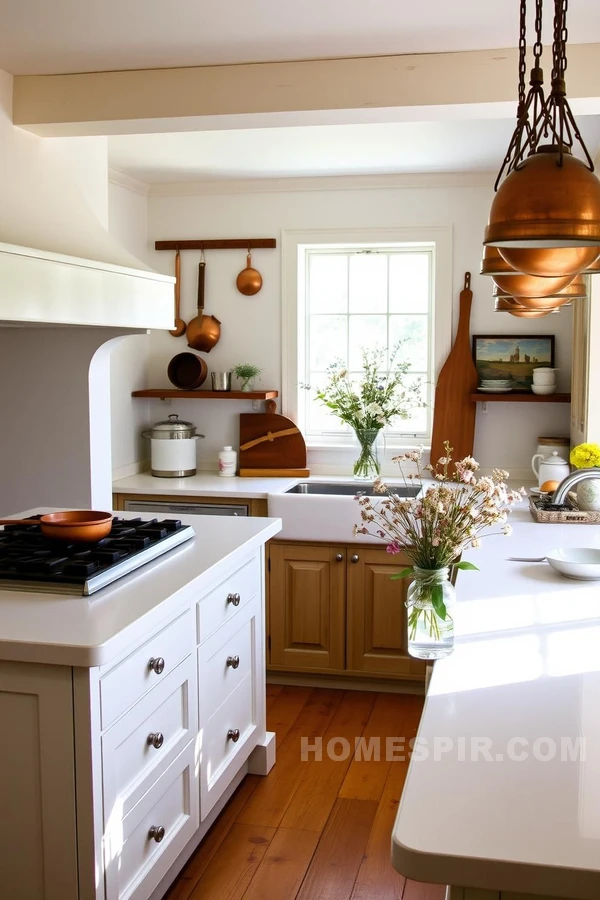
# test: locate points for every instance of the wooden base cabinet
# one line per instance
(335, 609)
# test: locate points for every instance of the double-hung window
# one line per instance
(343, 296)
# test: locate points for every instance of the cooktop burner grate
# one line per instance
(31, 561)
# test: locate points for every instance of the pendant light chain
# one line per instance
(522, 54)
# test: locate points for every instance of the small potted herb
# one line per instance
(246, 372)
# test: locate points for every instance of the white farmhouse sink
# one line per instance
(327, 511)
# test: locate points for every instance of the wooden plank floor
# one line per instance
(313, 829)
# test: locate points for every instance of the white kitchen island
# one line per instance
(502, 798)
(131, 716)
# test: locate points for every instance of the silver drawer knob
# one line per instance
(234, 599)
(156, 833)
(233, 661)
(233, 735)
(339, 557)
(354, 558)
(156, 739)
(157, 665)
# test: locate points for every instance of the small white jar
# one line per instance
(227, 462)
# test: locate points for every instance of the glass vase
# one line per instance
(366, 466)
(430, 604)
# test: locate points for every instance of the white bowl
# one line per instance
(544, 379)
(581, 563)
(543, 388)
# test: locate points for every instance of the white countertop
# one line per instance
(90, 631)
(526, 666)
(203, 484)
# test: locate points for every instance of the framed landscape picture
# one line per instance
(512, 356)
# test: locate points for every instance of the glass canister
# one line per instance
(548, 445)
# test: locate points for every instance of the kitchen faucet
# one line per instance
(571, 480)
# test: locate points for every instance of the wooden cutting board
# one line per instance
(272, 446)
(454, 411)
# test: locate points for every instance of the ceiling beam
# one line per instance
(386, 88)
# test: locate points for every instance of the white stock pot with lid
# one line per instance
(172, 447)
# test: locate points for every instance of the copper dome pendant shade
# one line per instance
(546, 206)
(573, 291)
(518, 283)
(502, 304)
(545, 217)
(550, 263)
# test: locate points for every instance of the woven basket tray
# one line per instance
(572, 516)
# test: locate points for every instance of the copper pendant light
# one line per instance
(550, 263)
(544, 205)
(518, 283)
(501, 304)
(572, 291)
(545, 217)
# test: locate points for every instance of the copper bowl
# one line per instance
(187, 371)
(77, 525)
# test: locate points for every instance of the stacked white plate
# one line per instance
(496, 385)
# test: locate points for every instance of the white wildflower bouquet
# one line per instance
(451, 515)
(446, 518)
(377, 399)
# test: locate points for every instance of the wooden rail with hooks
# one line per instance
(225, 244)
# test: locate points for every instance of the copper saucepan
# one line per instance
(203, 332)
(75, 525)
(249, 281)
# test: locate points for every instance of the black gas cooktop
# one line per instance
(30, 561)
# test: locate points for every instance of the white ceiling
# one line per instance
(400, 147)
(62, 36)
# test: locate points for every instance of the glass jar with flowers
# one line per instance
(448, 516)
(587, 456)
(383, 393)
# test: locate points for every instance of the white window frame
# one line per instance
(439, 236)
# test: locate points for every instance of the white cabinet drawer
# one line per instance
(228, 598)
(142, 744)
(220, 749)
(135, 861)
(134, 676)
(225, 660)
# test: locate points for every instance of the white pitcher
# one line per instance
(550, 468)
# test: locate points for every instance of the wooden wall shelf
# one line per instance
(520, 398)
(174, 393)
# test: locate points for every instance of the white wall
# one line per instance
(129, 363)
(53, 192)
(506, 434)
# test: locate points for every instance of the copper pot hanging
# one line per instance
(544, 206)
(249, 281)
(517, 283)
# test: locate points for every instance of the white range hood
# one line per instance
(39, 287)
(59, 262)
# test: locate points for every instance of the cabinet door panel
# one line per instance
(38, 856)
(307, 606)
(377, 639)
